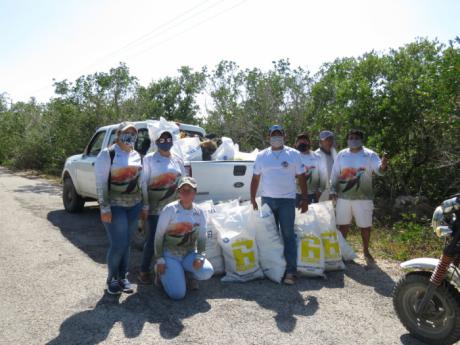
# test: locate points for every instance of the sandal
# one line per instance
(289, 279)
(144, 278)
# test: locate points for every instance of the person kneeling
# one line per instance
(180, 242)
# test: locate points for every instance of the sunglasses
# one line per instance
(165, 140)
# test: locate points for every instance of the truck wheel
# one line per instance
(140, 235)
(72, 201)
(440, 322)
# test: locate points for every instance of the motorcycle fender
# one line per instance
(429, 265)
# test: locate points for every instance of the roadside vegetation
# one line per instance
(406, 100)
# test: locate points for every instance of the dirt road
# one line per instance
(52, 277)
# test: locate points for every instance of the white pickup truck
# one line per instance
(217, 180)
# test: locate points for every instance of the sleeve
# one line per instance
(258, 165)
(375, 164)
(201, 245)
(335, 174)
(299, 166)
(180, 162)
(102, 170)
(145, 182)
(162, 226)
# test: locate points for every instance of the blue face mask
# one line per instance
(128, 139)
(165, 146)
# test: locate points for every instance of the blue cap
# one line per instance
(275, 128)
(325, 134)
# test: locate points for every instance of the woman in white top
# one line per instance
(118, 180)
(161, 174)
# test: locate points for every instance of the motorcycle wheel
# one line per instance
(440, 322)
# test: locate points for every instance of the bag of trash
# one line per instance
(325, 217)
(269, 243)
(225, 152)
(244, 156)
(189, 148)
(348, 254)
(213, 251)
(238, 244)
(310, 251)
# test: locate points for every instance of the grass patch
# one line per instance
(406, 239)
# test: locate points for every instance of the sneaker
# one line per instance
(113, 287)
(145, 278)
(289, 279)
(126, 286)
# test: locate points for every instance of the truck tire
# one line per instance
(140, 235)
(73, 202)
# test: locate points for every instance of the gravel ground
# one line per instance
(52, 275)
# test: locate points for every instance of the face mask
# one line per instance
(303, 147)
(276, 142)
(165, 146)
(354, 143)
(128, 139)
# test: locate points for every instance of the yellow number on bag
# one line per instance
(331, 245)
(245, 258)
(310, 249)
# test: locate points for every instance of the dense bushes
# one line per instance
(407, 101)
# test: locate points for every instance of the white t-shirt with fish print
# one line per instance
(351, 176)
(160, 178)
(310, 162)
(180, 231)
(125, 178)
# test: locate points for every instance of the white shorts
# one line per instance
(361, 210)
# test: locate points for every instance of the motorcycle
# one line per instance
(427, 298)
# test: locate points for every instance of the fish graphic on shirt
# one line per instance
(182, 232)
(350, 177)
(166, 183)
(125, 180)
(309, 172)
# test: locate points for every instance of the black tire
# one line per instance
(73, 202)
(440, 323)
(140, 235)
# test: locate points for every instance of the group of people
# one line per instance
(156, 188)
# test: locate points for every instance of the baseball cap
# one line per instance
(275, 128)
(325, 134)
(187, 180)
(125, 125)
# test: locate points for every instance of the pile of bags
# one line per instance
(244, 244)
(191, 148)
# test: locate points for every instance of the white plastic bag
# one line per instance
(269, 243)
(213, 251)
(310, 251)
(348, 254)
(225, 152)
(325, 217)
(238, 244)
(189, 148)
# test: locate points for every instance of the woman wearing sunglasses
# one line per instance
(161, 174)
(180, 243)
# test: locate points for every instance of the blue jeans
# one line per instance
(119, 231)
(284, 211)
(312, 199)
(149, 245)
(173, 280)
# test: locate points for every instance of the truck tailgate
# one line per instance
(222, 180)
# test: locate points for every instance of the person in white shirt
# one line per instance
(351, 187)
(276, 169)
(327, 154)
(118, 172)
(180, 243)
(310, 161)
(161, 174)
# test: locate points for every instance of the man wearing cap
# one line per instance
(351, 185)
(327, 154)
(276, 169)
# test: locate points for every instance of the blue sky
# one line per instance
(45, 39)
